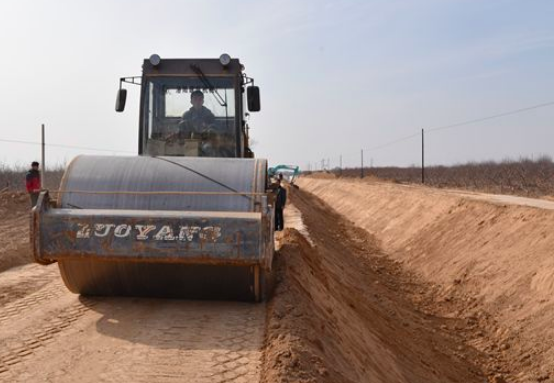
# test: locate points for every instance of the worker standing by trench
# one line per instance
(32, 183)
(280, 202)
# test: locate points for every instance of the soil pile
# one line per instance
(344, 313)
(14, 230)
(490, 264)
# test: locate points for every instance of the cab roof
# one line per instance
(184, 67)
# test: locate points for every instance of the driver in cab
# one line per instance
(198, 119)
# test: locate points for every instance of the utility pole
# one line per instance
(43, 172)
(422, 156)
(340, 164)
(362, 168)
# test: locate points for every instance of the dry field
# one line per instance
(12, 178)
(525, 177)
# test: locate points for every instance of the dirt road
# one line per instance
(498, 199)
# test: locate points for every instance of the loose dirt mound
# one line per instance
(491, 264)
(344, 313)
(14, 230)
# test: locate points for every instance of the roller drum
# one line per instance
(125, 175)
(173, 184)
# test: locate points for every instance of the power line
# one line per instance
(458, 124)
(393, 142)
(468, 122)
(65, 146)
(521, 110)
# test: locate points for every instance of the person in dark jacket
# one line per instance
(280, 202)
(32, 182)
(198, 118)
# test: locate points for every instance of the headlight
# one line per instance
(225, 59)
(155, 59)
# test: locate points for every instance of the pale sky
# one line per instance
(335, 76)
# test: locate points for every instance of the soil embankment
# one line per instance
(490, 263)
(344, 313)
(14, 230)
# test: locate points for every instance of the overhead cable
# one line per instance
(66, 146)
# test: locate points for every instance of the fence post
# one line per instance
(43, 164)
(423, 156)
(362, 168)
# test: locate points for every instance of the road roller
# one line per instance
(190, 216)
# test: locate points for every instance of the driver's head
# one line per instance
(197, 99)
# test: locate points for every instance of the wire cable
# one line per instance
(512, 112)
(458, 124)
(393, 142)
(66, 146)
(463, 123)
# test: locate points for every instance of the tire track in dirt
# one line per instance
(25, 304)
(17, 348)
(54, 335)
(23, 281)
(221, 343)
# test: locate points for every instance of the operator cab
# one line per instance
(193, 107)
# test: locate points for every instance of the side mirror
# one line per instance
(120, 101)
(253, 98)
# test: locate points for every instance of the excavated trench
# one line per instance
(343, 312)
